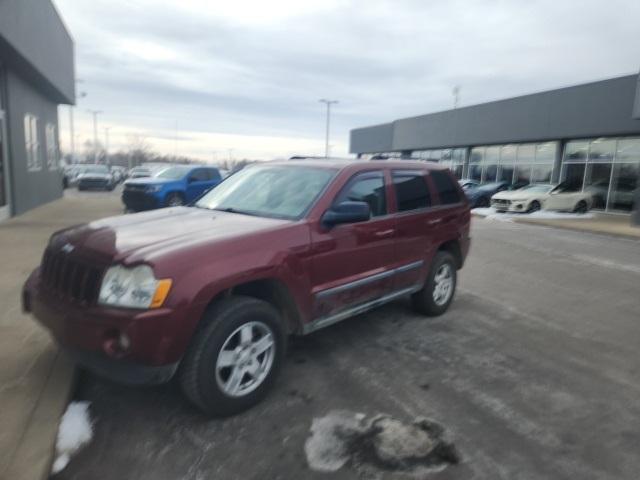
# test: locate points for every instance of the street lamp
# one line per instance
(328, 103)
(72, 135)
(95, 114)
(106, 142)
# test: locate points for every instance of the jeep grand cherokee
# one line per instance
(210, 292)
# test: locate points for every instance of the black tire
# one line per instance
(483, 202)
(534, 206)
(174, 200)
(198, 370)
(581, 207)
(80, 188)
(423, 301)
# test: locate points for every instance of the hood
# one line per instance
(510, 194)
(144, 181)
(116, 238)
(101, 176)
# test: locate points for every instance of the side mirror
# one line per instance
(191, 179)
(347, 212)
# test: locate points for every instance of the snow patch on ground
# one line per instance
(326, 448)
(491, 214)
(378, 445)
(74, 432)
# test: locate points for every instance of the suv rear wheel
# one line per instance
(234, 357)
(437, 293)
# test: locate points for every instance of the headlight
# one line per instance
(154, 188)
(133, 288)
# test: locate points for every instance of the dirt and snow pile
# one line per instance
(372, 446)
(74, 432)
(491, 214)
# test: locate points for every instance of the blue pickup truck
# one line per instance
(171, 187)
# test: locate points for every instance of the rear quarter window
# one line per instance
(411, 190)
(447, 190)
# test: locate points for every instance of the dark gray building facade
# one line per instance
(36, 75)
(587, 134)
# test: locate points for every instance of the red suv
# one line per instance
(211, 291)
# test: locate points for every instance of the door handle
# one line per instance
(434, 222)
(384, 233)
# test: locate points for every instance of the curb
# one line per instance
(528, 221)
(34, 455)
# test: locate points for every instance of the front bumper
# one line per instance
(89, 184)
(138, 200)
(88, 333)
(512, 207)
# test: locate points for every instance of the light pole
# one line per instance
(72, 136)
(106, 142)
(328, 103)
(95, 114)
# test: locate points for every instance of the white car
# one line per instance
(527, 199)
(568, 197)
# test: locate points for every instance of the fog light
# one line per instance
(124, 342)
(116, 345)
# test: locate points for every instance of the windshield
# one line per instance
(269, 191)
(536, 188)
(174, 173)
(96, 169)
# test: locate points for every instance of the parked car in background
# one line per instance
(468, 184)
(480, 197)
(211, 293)
(139, 172)
(95, 177)
(568, 197)
(171, 187)
(526, 199)
(118, 173)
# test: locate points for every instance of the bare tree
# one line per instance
(139, 150)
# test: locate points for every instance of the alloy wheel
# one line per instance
(443, 284)
(246, 358)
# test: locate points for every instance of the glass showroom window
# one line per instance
(524, 163)
(32, 144)
(574, 162)
(475, 163)
(542, 169)
(625, 177)
(457, 162)
(52, 147)
(507, 163)
(608, 168)
(597, 176)
(490, 167)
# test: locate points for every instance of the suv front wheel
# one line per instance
(437, 293)
(234, 357)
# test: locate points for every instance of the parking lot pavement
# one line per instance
(534, 371)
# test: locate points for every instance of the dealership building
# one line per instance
(36, 75)
(587, 134)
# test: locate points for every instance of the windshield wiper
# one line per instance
(234, 210)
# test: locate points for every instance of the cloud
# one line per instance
(247, 70)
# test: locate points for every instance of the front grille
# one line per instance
(70, 278)
(138, 200)
(497, 201)
(94, 182)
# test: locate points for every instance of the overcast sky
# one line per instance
(201, 77)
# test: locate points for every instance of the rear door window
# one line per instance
(411, 190)
(447, 190)
(366, 187)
